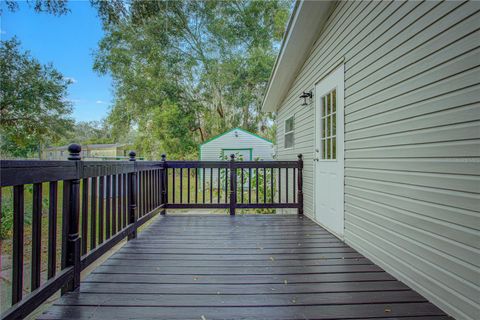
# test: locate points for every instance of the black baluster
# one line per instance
(271, 185)
(286, 185)
(125, 200)
(114, 204)
(203, 185)
(300, 184)
(264, 185)
(173, 185)
(36, 235)
(294, 185)
(226, 185)
(249, 185)
(233, 187)
(196, 185)
(211, 185)
(164, 184)
(144, 191)
(218, 185)
(84, 215)
(188, 185)
(181, 185)
(132, 196)
(17, 243)
(52, 228)
(241, 186)
(256, 185)
(280, 185)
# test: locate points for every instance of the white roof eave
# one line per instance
(304, 26)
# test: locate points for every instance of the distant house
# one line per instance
(245, 145)
(115, 151)
(382, 99)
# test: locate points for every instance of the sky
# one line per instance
(68, 42)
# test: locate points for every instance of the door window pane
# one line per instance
(329, 125)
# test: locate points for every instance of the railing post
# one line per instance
(132, 196)
(73, 238)
(163, 185)
(233, 185)
(300, 185)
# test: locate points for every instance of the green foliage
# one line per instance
(33, 105)
(167, 129)
(185, 71)
(89, 132)
(6, 225)
(264, 190)
(55, 7)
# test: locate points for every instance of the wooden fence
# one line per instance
(101, 203)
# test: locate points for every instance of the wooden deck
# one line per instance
(239, 267)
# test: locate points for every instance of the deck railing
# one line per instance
(101, 203)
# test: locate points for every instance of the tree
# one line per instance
(189, 68)
(55, 7)
(34, 109)
(89, 132)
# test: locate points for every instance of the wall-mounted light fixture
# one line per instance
(306, 95)
(236, 134)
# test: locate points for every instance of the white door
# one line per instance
(329, 152)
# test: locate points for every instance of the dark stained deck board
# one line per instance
(241, 279)
(255, 267)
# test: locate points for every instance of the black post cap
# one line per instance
(132, 155)
(164, 156)
(300, 156)
(74, 151)
(232, 157)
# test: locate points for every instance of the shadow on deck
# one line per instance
(239, 267)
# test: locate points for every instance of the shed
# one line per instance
(239, 142)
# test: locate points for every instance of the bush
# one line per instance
(6, 220)
(6, 223)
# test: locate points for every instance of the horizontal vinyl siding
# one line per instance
(412, 140)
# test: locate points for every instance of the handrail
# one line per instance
(106, 202)
(99, 209)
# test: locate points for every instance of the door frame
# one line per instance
(338, 75)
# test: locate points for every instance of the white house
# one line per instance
(382, 99)
(239, 142)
